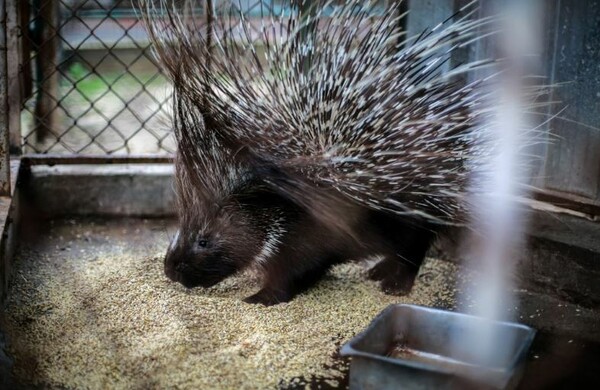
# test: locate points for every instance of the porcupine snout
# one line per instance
(173, 263)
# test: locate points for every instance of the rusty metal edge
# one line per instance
(10, 220)
(49, 159)
(563, 200)
(9, 226)
(568, 201)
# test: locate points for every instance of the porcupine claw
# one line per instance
(268, 297)
(396, 278)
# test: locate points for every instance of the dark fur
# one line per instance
(310, 249)
(306, 250)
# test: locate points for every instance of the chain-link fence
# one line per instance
(91, 83)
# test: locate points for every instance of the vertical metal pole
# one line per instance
(209, 49)
(402, 23)
(4, 129)
(24, 12)
(47, 76)
(307, 8)
(13, 63)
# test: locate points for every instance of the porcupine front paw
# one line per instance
(268, 297)
(379, 271)
(396, 278)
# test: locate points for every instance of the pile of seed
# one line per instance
(101, 314)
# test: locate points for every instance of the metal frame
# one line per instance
(4, 171)
(50, 159)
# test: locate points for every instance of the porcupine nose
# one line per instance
(173, 268)
(181, 267)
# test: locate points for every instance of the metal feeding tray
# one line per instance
(414, 347)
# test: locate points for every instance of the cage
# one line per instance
(87, 212)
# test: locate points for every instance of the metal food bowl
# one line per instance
(414, 347)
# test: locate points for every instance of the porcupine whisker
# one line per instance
(403, 258)
(166, 232)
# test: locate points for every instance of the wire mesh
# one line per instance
(95, 87)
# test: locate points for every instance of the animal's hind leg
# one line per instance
(396, 276)
(398, 270)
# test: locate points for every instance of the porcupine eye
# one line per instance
(201, 242)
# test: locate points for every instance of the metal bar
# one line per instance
(14, 88)
(47, 75)
(48, 159)
(307, 9)
(10, 219)
(4, 129)
(568, 201)
(24, 13)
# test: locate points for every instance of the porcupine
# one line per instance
(369, 147)
(229, 218)
(229, 221)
